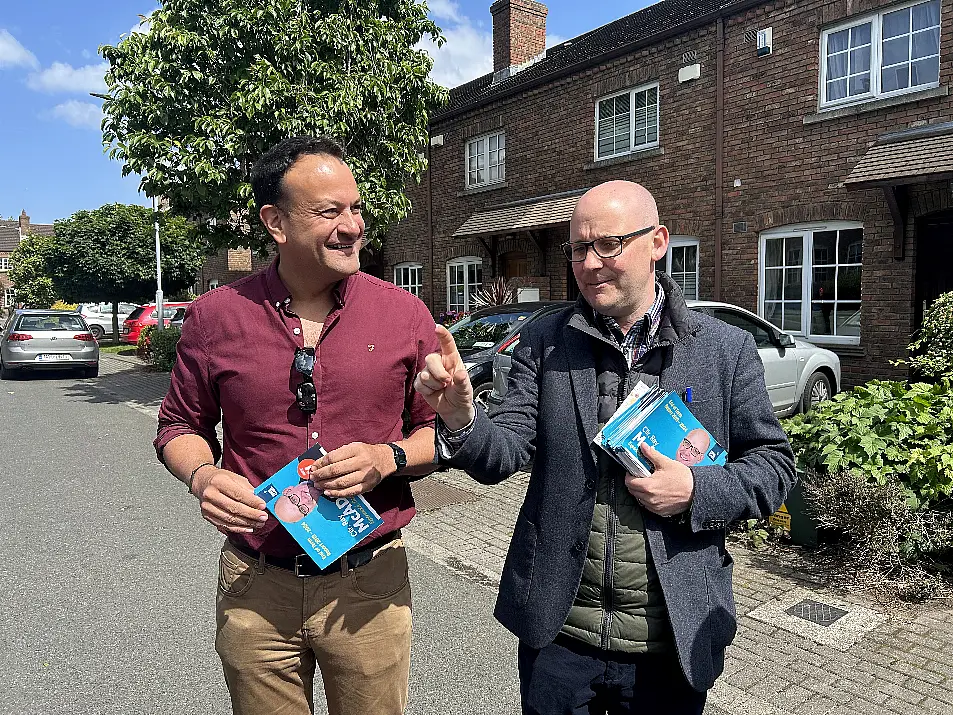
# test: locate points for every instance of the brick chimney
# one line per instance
(24, 224)
(519, 32)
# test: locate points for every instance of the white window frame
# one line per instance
(468, 290)
(9, 297)
(213, 284)
(409, 269)
(681, 242)
(876, 55)
(806, 233)
(472, 144)
(4, 264)
(633, 149)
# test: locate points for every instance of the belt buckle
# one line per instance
(298, 564)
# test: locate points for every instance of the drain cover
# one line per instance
(822, 614)
(429, 494)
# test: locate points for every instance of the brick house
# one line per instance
(801, 154)
(11, 233)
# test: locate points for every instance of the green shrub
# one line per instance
(143, 349)
(885, 431)
(933, 349)
(162, 348)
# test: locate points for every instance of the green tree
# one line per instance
(109, 255)
(29, 273)
(193, 102)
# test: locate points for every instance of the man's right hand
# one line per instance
(228, 501)
(445, 385)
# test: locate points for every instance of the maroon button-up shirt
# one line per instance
(235, 366)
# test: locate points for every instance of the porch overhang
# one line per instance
(521, 216)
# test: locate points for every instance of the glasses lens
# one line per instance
(306, 397)
(304, 361)
(608, 247)
(575, 252)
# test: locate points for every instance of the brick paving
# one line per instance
(903, 665)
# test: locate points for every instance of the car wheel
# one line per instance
(480, 393)
(6, 373)
(90, 371)
(97, 331)
(817, 389)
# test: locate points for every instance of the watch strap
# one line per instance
(400, 457)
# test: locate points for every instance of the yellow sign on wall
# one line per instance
(781, 518)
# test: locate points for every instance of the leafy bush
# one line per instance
(885, 431)
(933, 349)
(143, 344)
(497, 292)
(63, 305)
(162, 348)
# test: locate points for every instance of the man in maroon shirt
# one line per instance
(308, 351)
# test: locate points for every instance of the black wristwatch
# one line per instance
(400, 457)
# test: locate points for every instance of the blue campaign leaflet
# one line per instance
(325, 528)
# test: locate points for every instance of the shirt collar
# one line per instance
(278, 293)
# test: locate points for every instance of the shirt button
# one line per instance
(297, 331)
(590, 483)
(578, 547)
(314, 435)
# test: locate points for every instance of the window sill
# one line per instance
(482, 189)
(875, 104)
(626, 158)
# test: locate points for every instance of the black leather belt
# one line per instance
(302, 566)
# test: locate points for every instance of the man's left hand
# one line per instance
(668, 491)
(353, 469)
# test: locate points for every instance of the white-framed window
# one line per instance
(464, 278)
(9, 297)
(4, 263)
(486, 159)
(681, 263)
(882, 54)
(809, 280)
(409, 276)
(213, 284)
(627, 122)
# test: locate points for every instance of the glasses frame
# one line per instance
(691, 448)
(306, 396)
(569, 246)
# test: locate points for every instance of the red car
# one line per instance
(147, 315)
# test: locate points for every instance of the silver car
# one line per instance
(99, 317)
(798, 374)
(47, 339)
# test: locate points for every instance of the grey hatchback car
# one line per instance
(47, 339)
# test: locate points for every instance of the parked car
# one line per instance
(480, 335)
(798, 374)
(177, 319)
(99, 316)
(47, 339)
(147, 315)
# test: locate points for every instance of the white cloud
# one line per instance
(467, 54)
(552, 40)
(141, 27)
(61, 77)
(13, 54)
(79, 114)
(444, 10)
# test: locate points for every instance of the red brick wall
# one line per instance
(519, 32)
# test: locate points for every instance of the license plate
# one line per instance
(53, 358)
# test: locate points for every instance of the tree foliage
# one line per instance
(193, 102)
(28, 273)
(932, 350)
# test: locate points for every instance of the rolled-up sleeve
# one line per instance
(191, 405)
(419, 413)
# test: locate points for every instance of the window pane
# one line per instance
(792, 284)
(896, 23)
(860, 35)
(860, 60)
(858, 84)
(493, 143)
(772, 252)
(848, 319)
(678, 259)
(837, 41)
(773, 312)
(848, 283)
(926, 71)
(822, 283)
(896, 51)
(825, 245)
(691, 258)
(792, 251)
(772, 283)
(837, 66)
(926, 43)
(836, 90)
(851, 246)
(822, 318)
(926, 15)
(792, 317)
(606, 109)
(894, 78)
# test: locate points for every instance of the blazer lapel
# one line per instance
(582, 375)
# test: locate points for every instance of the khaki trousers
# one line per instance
(273, 628)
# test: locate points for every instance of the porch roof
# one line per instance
(521, 215)
(912, 156)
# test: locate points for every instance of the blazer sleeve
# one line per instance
(760, 469)
(499, 446)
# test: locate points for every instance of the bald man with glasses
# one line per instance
(618, 587)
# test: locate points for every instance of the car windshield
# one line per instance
(481, 333)
(51, 322)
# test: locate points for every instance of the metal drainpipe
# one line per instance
(433, 267)
(719, 150)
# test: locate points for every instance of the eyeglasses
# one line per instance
(605, 247)
(306, 397)
(696, 453)
(297, 501)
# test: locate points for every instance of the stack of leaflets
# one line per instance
(325, 528)
(663, 421)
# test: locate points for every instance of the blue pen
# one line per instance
(688, 395)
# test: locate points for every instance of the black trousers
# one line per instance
(568, 677)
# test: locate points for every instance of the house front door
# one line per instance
(934, 260)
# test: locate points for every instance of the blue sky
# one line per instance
(52, 158)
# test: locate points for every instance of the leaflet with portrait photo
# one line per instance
(325, 528)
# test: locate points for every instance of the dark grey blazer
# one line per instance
(549, 415)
